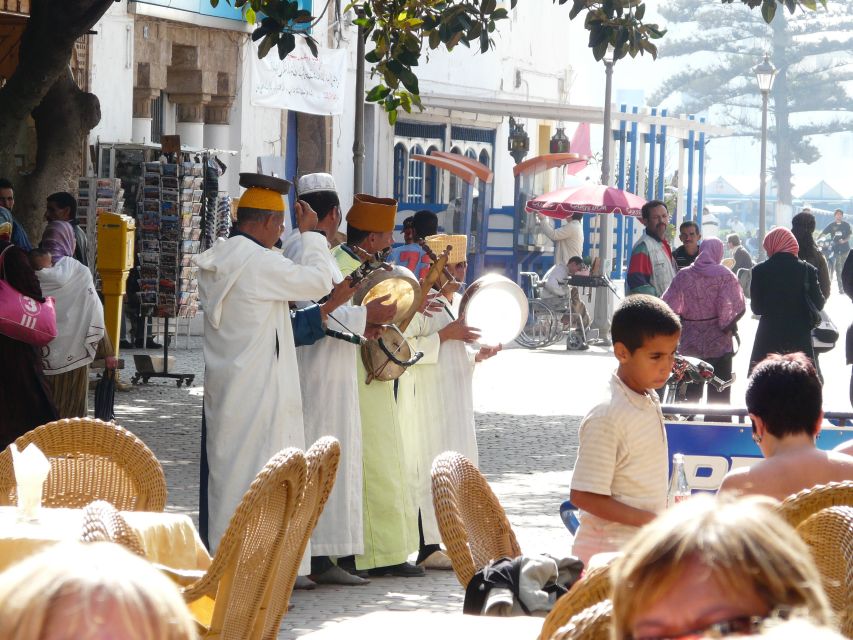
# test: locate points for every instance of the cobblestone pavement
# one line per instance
(525, 458)
(529, 405)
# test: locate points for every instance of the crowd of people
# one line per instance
(41, 384)
(255, 403)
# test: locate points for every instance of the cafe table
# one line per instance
(428, 625)
(168, 538)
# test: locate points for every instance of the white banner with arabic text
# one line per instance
(300, 82)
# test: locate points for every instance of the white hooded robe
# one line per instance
(252, 400)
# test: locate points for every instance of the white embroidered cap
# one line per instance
(311, 182)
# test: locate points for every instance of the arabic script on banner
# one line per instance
(300, 82)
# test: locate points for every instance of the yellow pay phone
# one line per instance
(115, 260)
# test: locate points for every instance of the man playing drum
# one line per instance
(389, 533)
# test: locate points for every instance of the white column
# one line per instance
(216, 136)
(192, 133)
(141, 130)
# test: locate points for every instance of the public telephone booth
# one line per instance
(466, 215)
(534, 177)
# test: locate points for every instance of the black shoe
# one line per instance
(126, 344)
(402, 570)
(153, 344)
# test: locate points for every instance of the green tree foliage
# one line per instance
(811, 95)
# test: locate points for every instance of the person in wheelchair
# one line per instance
(559, 295)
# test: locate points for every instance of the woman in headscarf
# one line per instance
(803, 226)
(780, 285)
(79, 321)
(708, 299)
(25, 400)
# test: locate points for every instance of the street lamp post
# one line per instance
(765, 73)
(603, 303)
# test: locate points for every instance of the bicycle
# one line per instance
(687, 370)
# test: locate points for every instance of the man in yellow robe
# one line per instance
(389, 519)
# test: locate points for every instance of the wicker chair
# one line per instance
(796, 508)
(230, 601)
(90, 460)
(103, 523)
(472, 523)
(593, 588)
(593, 623)
(829, 534)
(322, 458)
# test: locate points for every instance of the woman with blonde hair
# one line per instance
(90, 592)
(714, 566)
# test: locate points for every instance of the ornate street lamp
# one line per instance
(765, 73)
(518, 142)
(559, 141)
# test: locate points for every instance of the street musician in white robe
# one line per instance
(435, 395)
(327, 377)
(389, 521)
(252, 402)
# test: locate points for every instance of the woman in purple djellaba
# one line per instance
(708, 299)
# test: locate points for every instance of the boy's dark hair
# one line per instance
(425, 223)
(651, 204)
(38, 252)
(733, 239)
(409, 223)
(355, 235)
(641, 317)
(785, 392)
(688, 223)
(65, 200)
(577, 260)
(322, 202)
(5, 184)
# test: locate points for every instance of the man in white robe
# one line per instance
(252, 401)
(327, 377)
(435, 395)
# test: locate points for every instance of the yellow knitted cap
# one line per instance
(368, 213)
(259, 198)
(459, 252)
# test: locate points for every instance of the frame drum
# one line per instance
(497, 307)
(398, 282)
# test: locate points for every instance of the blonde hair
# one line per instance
(83, 589)
(746, 546)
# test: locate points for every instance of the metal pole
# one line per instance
(603, 304)
(762, 197)
(358, 138)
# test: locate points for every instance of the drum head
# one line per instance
(497, 307)
(399, 283)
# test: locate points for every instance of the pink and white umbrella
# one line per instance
(589, 198)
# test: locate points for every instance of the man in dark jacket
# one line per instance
(741, 256)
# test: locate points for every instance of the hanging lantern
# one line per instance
(518, 142)
(559, 142)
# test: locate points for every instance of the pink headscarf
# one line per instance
(781, 240)
(58, 240)
(707, 263)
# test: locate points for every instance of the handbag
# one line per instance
(23, 318)
(825, 335)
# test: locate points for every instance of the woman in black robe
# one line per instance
(25, 400)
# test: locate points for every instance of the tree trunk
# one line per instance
(45, 53)
(63, 121)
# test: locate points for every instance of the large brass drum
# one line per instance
(497, 307)
(398, 282)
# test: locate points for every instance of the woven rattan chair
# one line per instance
(593, 623)
(322, 458)
(593, 588)
(829, 534)
(103, 523)
(91, 460)
(800, 506)
(231, 600)
(472, 523)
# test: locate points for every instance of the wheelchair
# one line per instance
(545, 316)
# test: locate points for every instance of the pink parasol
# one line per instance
(588, 198)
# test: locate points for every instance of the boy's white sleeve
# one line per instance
(597, 455)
